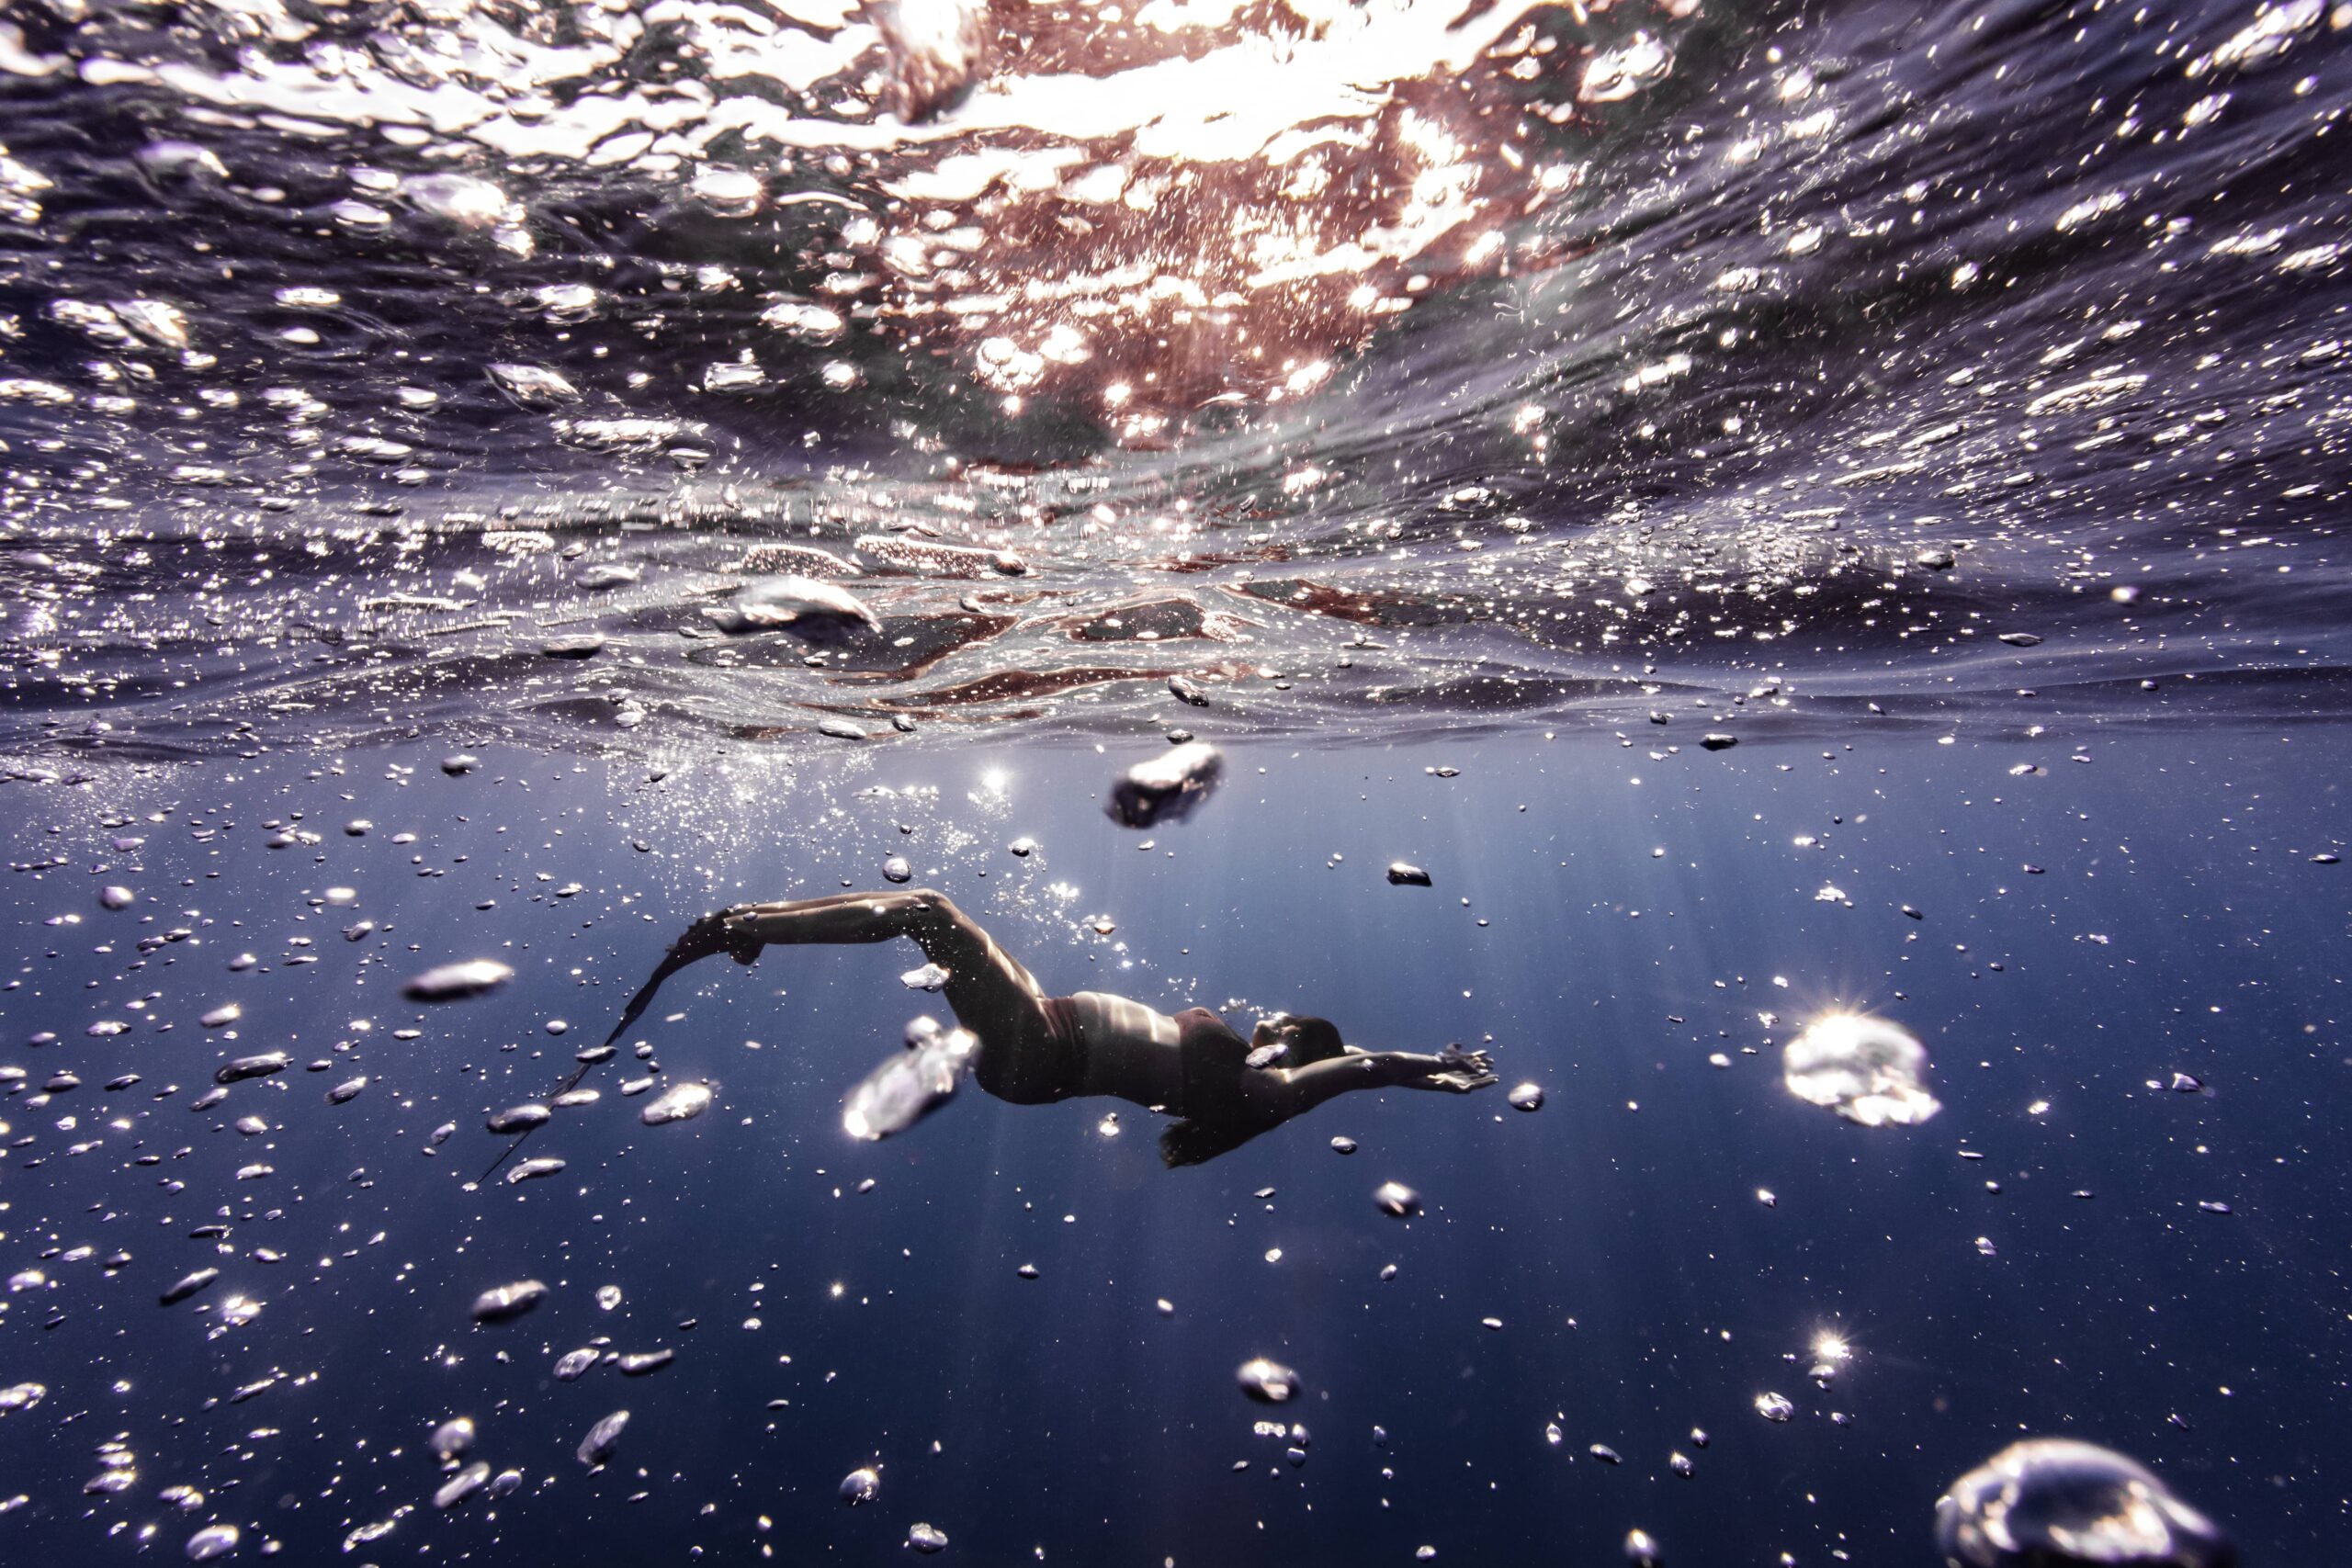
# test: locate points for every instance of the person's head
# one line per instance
(1309, 1039)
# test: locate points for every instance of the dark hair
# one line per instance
(1312, 1040)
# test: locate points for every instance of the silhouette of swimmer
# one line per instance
(1035, 1049)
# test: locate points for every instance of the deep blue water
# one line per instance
(1787, 512)
(2177, 924)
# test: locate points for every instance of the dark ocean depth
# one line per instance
(2074, 1247)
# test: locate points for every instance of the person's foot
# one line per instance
(716, 932)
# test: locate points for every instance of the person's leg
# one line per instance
(992, 995)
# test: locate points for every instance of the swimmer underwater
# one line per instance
(1033, 1049)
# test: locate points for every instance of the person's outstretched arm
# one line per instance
(1451, 1070)
(1289, 1091)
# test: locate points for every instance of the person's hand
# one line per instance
(1463, 1071)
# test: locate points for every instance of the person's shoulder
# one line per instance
(1195, 1022)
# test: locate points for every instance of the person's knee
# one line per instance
(945, 932)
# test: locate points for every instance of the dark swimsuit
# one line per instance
(1214, 1057)
(1040, 1071)
(1055, 1068)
